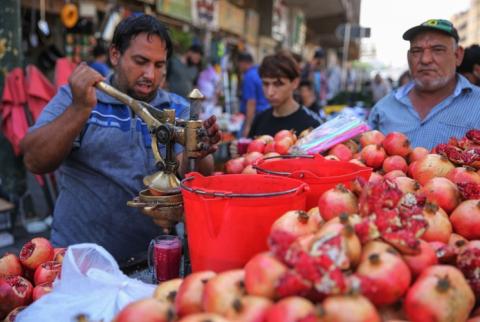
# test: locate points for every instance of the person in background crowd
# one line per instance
(404, 79)
(183, 70)
(252, 101)
(100, 57)
(280, 77)
(380, 88)
(314, 71)
(103, 150)
(439, 103)
(470, 66)
(307, 96)
(209, 84)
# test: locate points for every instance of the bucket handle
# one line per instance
(236, 195)
(285, 156)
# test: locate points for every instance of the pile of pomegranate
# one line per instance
(29, 276)
(404, 246)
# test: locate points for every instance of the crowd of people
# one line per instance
(102, 150)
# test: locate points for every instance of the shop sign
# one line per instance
(231, 18)
(251, 26)
(299, 31)
(205, 13)
(180, 9)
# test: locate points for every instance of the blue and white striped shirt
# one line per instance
(454, 116)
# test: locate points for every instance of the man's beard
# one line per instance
(432, 85)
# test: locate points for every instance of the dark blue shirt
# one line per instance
(252, 90)
(102, 68)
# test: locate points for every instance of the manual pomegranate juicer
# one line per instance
(162, 199)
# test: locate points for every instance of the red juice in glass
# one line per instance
(242, 145)
(165, 253)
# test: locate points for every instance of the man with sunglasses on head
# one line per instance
(438, 103)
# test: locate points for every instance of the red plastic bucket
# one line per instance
(319, 173)
(228, 217)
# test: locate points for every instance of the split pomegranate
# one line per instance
(336, 201)
(419, 262)
(466, 219)
(376, 275)
(47, 272)
(394, 162)
(41, 290)
(11, 317)
(468, 261)
(289, 227)
(189, 296)
(440, 293)
(349, 308)
(249, 308)
(397, 143)
(417, 153)
(431, 166)
(15, 291)
(149, 309)
(371, 137)
(445, 253)
(10, 265)
(351, 243)
(35, 252)
(439, 226)
(373, 156)
(442, 192)
(221, 290)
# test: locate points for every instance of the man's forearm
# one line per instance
(46, 147)
(250, 115)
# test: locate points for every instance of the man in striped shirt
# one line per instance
(438, 103)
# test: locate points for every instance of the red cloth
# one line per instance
(14, 120)
(39, 91)
(63, 69)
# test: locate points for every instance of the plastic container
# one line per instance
(228, 217)
(318, 173)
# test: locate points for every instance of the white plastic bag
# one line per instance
(91, 283)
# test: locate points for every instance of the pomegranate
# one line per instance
(419, 262)
(47, 272)
(15, 291)
(149, 309)
(189, 296)
(468, 261)
(280, 135)
(371, 137)
(373, 155)
(431, 166)
(342, 152)
(35, 252)
(265, 138)
(466, 219)
(357, 162)
(406, 184)
(256, 145)
(396, 143)
(221, 290)
(41, 290)
(351, 243)
(352, 145)
(12, 316)
(336, 201)
(376, 274)
(375, 177)
(440, 293)
(167, 291)
(10, 265)
(445, 253)
(203, 317)
(249, 308)
(249, 169)
(394, 174)
(395, 162)
(417, 154)
(283, 146)
(332, 157)
(290, 309)
(442, 192)
(463, 175)
(288, 227)
(411, 168)
(235, 166)
(262, 275)
(439, 226)
(375, 247)
(270, 155)
(251, 157)
(269, 148)
(349, 308)
(59, 254)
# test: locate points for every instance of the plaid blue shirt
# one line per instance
(454, 116)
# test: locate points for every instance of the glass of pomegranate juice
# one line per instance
(164, 256)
